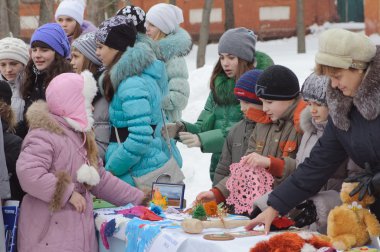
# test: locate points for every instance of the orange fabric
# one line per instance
(257, 116)
(287, 147)
(219, 197)
(297, 115)
(276, 166)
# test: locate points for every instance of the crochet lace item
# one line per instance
(246, 184)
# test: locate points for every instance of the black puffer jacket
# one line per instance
(353, 131)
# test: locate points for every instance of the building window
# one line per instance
(196, 15)
(274, 13)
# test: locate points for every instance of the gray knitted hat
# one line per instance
(239, 42)
(86, 45)
(314, 88)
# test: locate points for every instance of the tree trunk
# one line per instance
(229, 14)
(95, 12)
(111, 8)
(14, 17)
(300, 28)
(173, 2)
(46, 12)
(4, 21)
(203, 33)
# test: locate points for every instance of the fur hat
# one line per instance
(239, 42)
(136, 15)
(14, 49)
(69, 95)
(54, 36)
(117, 32)
(245, 87)
(344, 49)
(86, 45)
(277, 83)
(314, 88)
(165, 17)
(71, 8)
(5, 92)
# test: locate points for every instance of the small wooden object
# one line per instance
(194, 226)
(218, 237)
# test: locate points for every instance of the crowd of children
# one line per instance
(86, 111)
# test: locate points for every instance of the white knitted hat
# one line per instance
(165, 17)
(15, 49)
(71, 8)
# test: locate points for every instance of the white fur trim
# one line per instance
(89, 92)
(305, 235)
(308, 248)
(88, 174)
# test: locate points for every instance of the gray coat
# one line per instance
(101, 126)
(234, 148)
(5, 190)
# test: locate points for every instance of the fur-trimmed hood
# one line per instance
(176, 44)
(366, 100)
(38, 116)
(307, 123)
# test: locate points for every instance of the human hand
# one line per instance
(173, 129)
(265, 218)
(255, 159)
(189, 139)
(205, 196)
(78, 201)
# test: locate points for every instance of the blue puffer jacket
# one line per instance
(140, 82)
(173, 48)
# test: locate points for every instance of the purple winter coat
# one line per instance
(51, 148)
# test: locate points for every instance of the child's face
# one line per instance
(42, 57)
(229, 64)
(67, 23)
(347, 81)
(275, 109)
(10, 68)
(245, 106)
(77, 60)
(152, 31)
(318, 111)
(105, 54)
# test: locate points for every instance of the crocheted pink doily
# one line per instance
(246, 184)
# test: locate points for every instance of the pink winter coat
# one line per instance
(51, 149)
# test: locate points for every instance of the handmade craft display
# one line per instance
(194, 226)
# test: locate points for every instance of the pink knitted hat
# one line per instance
(69, 95)
(246, 184)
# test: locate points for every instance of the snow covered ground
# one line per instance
(283, 52)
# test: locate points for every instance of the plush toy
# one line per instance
(351, 224)
(293, 242)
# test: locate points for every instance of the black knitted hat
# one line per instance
(5, 92)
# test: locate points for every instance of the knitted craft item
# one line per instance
(246, 184)
(140, 212)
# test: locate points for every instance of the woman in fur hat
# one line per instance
(59, 169)
(352, 62)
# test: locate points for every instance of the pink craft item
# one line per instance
(246, 184)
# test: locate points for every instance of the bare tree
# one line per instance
(4, 21)
(96, 12)
(111, 8)
(300, 28)
(229, 14)
(14, 17)
(204, 33)
(173, 2)
(46, 12)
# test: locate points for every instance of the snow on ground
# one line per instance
(283, 52)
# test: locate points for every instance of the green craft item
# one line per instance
(199, 213)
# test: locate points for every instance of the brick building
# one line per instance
(268, 18)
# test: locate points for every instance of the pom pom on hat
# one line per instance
(165, 17)
(14, 49)
(71, 8)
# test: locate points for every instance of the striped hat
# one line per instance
(245, 87)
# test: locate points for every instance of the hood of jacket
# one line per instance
(366, 99)
(176, 44)
(308, 125)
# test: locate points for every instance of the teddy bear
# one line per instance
(293, 242)
(351, 224)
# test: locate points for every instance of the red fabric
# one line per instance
(219, 197)
(276, 166)
(257, 115)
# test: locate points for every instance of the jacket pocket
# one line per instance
(288, 147)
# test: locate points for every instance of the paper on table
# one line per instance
(166, 241)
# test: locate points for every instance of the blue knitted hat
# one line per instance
(245, 87)
(54, 36)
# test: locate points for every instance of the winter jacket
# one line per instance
(173, 48)
(279, 141)
(352, 131)
(234, 148)
(12, 147)
(136, 107)
(5, 191)
(18, 102)
(51, 155)
(221, 112)
(311, 133)
(101, 125)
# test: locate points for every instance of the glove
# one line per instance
(308, 214)
(173, 129)
(365, 182)
(189, 139)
